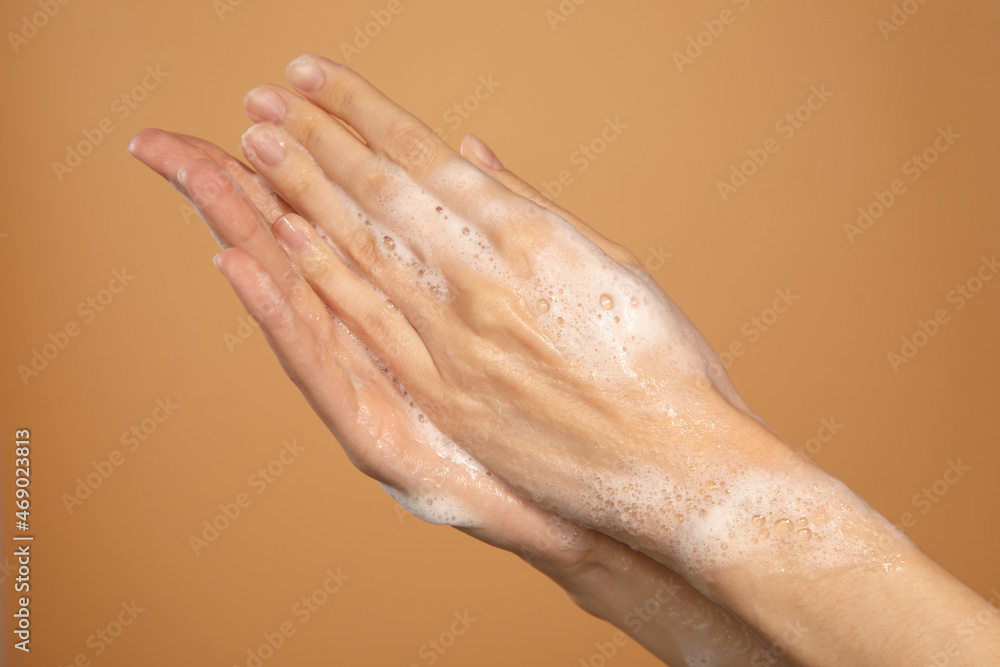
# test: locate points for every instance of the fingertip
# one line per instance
(471, 144)
(263, 104)
(227, 261)
(313, 58)
(305, 73)
(141, 140)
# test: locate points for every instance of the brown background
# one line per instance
(655, 186)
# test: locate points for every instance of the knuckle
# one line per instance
(269, 314)
(342, 89)
(315, 265)
(361, 246)
(378, 324)
(410, 145)
(289, 279)
(299, 185)
(491, 309)
(210, 186)
(374, 185)
(309, 130)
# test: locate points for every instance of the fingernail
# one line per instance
(482, 151)
(291, 232)
(263, 104)
(305, 74)
(215, 260)
(262, 143)
(182, 176)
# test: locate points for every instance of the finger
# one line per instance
(378, 324)
(167, 152)
(163, 152)
(475, 150)
(234, 222)
(294, 175)
(263, 197)
(454, 200)
(304, 357)
(377, 185)
(331, 144)
(387, 128)
(232, 219)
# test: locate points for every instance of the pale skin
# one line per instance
(480, 356)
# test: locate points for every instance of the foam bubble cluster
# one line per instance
(614, 324)
(444, 472)
(608, 319)
(721, 516)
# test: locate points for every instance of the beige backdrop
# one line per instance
(807, 112)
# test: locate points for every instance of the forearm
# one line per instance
(648, 603)
(908, 612)
(817, 572)
(657, 608)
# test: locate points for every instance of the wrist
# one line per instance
(800, 557)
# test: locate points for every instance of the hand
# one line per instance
(561, 366)
(544, 350)
(396, 447)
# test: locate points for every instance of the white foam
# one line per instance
(722, 515)
(437, 471)
(611, 321)
(439, 508)
(616, 325)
